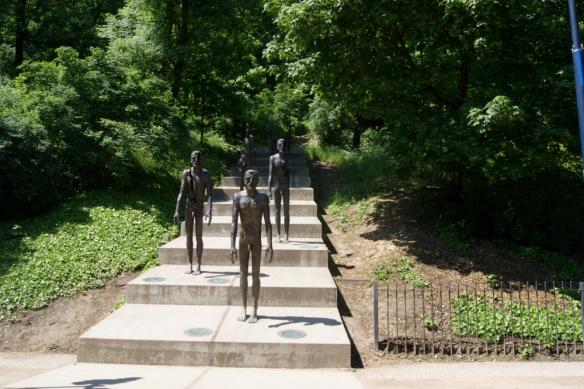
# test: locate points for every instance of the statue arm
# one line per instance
(234, 217)
(183, 188)
(267, 222)
(210, 193)
(209, 187)
(270, 179)
(266, 211)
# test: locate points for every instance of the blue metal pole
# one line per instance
(578, 70)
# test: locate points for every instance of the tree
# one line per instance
(476, 96)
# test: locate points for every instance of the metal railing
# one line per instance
(494, 318)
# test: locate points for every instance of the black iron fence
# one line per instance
(494, 318)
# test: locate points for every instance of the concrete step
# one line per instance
(166, 335)
(297, 252)
(295, 181)
(219, 285)
(297, 208)
(295, 171)
(226, 193)
(300, 227)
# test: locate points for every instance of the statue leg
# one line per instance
(241, 180)
(278, 204)
(199, 237)
(243, 265)
(189, 233)
(286, 195)
(256, 257)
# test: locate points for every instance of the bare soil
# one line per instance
(57, 327)
(399, 228)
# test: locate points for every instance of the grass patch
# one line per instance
(362, 177)
(477, 317)
(80, 244)
(328, 154)
(348, 215)
(401, 267)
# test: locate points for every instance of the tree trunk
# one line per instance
(20, 31)
(183, 40)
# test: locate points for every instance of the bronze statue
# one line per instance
(249, 142)
(250, 206)
(279, 179)
(242, 167)
(195, 181)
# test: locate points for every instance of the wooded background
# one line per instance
(469, 101)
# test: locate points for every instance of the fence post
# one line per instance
(582, 307)
(375, 291)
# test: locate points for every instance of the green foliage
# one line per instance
(328, 122)
(348, 215)
(493, 281)
(453, 236)
(526, 351)
(320, 152)
(548, 325)
(564, 267)
(81, 244)
(401, 267)
(429, 322)
(29, 171)
(120, 303)
(283, 109)
(496, 138)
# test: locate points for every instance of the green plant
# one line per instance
(490, 322)
(401, 267)
(526, 351)
(453, 236)
(493, 281)
(564, 267)
(382, 272)
(429, 323)
(80, 244)
(120, 303)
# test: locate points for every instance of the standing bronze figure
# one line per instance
(279, 179)
(195, 181)
(250, 206)
(249, 143)
(242, 167)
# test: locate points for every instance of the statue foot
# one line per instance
(197, 271)
(278, 238)
(252, 319)
(286, 239)
(242, 317)
(189, 270)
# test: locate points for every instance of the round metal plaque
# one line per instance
(218, 281)
(292, 334)
(198, 332)
(154, 279)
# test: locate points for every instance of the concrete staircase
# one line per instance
(171, 318)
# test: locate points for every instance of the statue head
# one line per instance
(196, 158)
(250, 179)
(280, 145)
